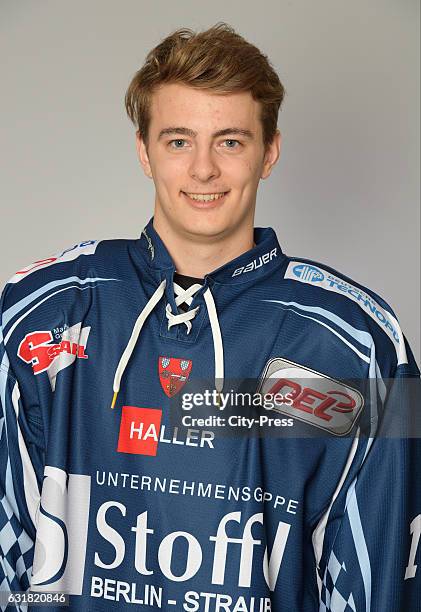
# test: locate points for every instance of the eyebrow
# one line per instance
(188, 132)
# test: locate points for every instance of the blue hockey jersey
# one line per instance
(107, 497)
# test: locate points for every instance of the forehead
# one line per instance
(177, 104)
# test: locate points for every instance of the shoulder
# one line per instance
(57, 290)
(345, 302)
(48, 306)
(313, 275)
(80, 263)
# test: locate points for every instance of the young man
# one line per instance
(120, 505)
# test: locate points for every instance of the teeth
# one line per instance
(209, 197)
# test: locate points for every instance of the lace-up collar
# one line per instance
(262, 259)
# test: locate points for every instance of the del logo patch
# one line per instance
(315, 399)
(173, 374)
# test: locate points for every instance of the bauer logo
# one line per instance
(256, 263)
(63, 520)
(317, 399)
(308, 273)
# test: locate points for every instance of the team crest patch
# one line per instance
(173, 374)
(314, 398)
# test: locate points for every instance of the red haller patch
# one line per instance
(173, 373)
(139, 430)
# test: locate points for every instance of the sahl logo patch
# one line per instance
(317, 399)
(54, 350)
(173, 374)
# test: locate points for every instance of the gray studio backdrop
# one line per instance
(345, 191)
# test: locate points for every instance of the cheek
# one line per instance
(249, 165)
(168, 173)
(248, 173)
(236, 172)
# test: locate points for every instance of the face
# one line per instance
(206, 157)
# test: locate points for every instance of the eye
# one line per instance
(230, 140)
(178, 141)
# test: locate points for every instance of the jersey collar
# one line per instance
(259, 261)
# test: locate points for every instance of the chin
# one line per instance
(205, 225)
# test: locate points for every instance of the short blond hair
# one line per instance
(217, 59)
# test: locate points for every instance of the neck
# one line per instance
(198, 255)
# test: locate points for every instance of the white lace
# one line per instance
(182, 295)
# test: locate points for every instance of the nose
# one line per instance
(204, 166)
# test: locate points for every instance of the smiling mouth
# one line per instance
(205, 197)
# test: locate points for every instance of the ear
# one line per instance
(272, 153)
(142, 154)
